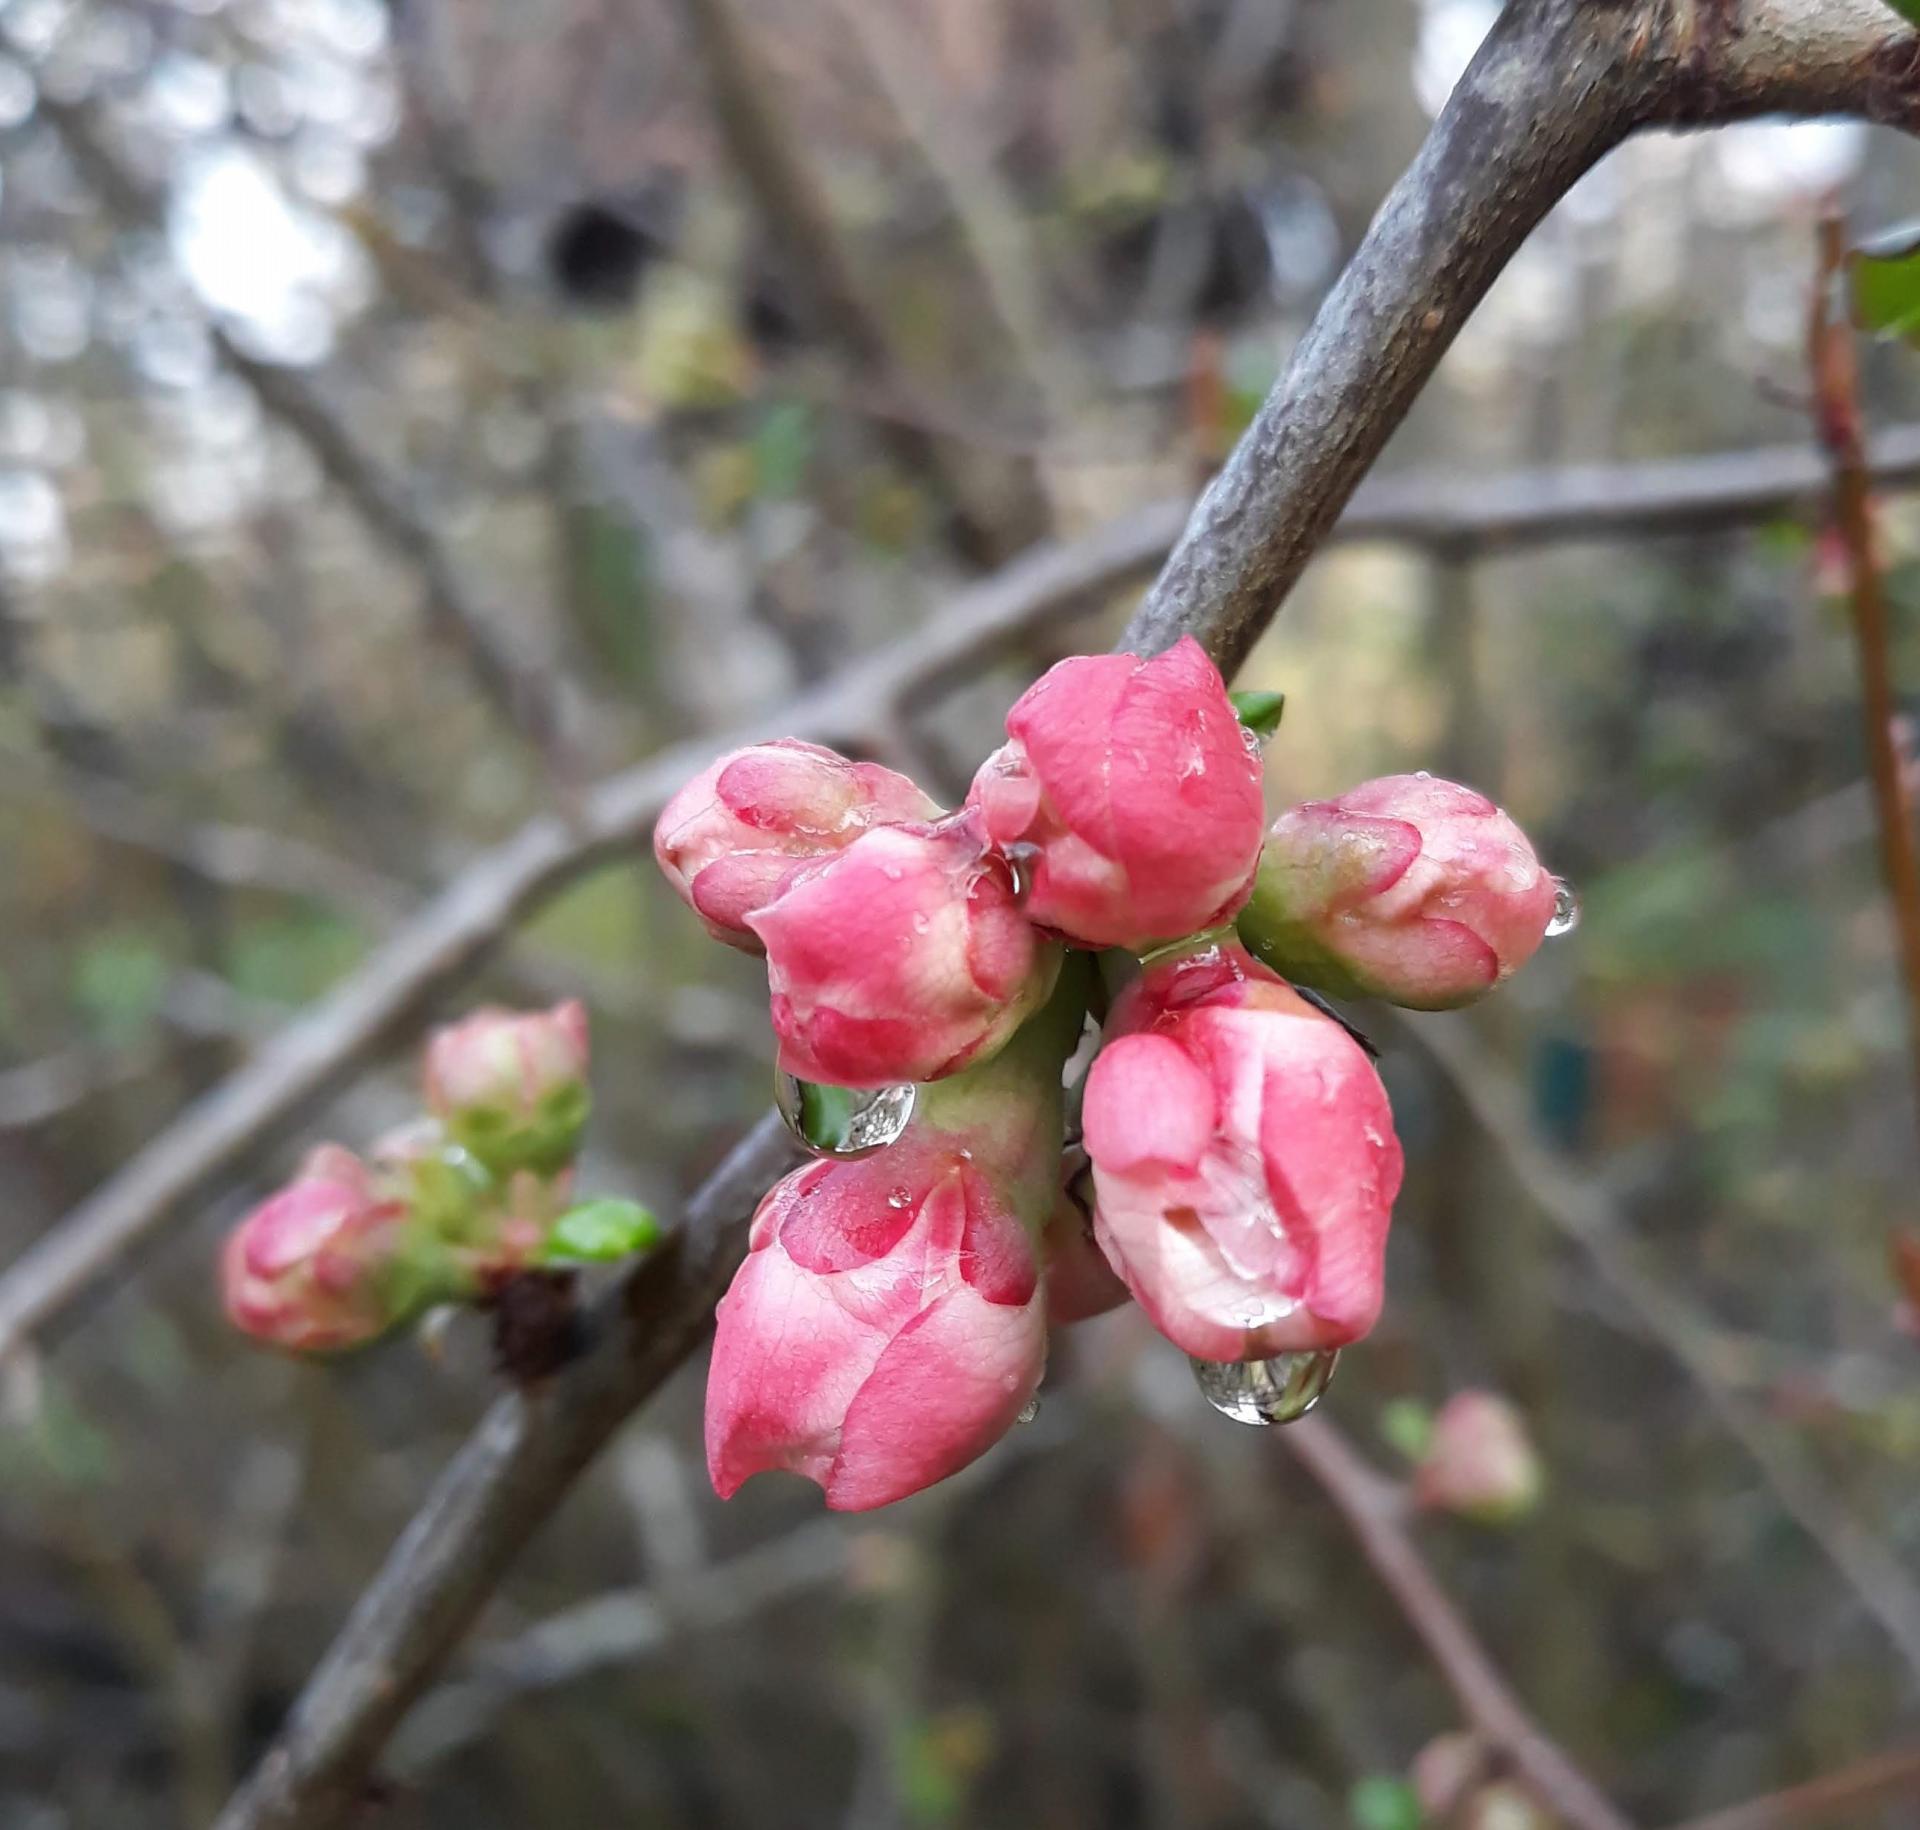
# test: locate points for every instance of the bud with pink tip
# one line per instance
(489, 1226)
(511, 1086)
(903, 958)
(327, 1263)
(1132, 794)
(1408, 888)
(1244, 1161)
(1479, 1461)
(887, 1328)
(889, 1323)
(731, 834)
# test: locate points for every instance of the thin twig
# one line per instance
(1832, 1798)
(1556, 84)
(1840, 423)
(1819, 54)
(493, 1496)
(814, 254)
(1581, 1211)
(1376, 1509)
(522, 686)
(454, 931)
(468, 919)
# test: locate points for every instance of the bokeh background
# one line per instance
(406, 416)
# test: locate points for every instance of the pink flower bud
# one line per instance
(886, 1328)
(1479, 1461)
(313, 1268)
(732, 833)
(1137, 794)
(1407, 888)
(1244, 1161)
(904, 957)
(511, 1086)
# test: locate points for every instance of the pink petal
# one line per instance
(946, 1389)
(1147, 1103)
(1065, 722)
(788, 1358)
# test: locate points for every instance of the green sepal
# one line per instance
(1259, 712)
(506, 1141)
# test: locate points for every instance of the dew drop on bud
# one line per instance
(1566, 910)
(1260, 1392)
(843, 1122)
(1021, 859)
(1030, 1410)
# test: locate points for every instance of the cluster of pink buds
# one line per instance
(449, 1208)
(930, 980)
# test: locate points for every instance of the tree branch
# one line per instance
(1375, 1509)
(451, 934)
(1876, 1576)
(492, 1496)
(523, 687)
(1840, 421)
(1557, 84)
(815, 258)
(461, 925)
(1853, 1789)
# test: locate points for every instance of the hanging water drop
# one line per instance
(1260, 1392)
(843, 1122)
(1030, 1410)
(1566, 910)
(1021, 859)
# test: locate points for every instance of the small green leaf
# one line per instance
(598, 1232)
(1259, 712)
(1885, 274)
(1379, 1803)
(1407, 1424)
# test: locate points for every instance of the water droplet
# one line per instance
(843, 1121)
(1021, 859)
(1030, 1410)
(1260, 1392)
(1566, 909)
(1423, 775)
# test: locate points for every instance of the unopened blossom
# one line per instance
(511, 1086)
(904, 957)
(321, 1265)
(887, 1327)
(1479, 1460)
(490, 1226)
(731, 834)
(1244, 1160)
(1131, 795)
(889, 1323)
(1445, 1770)
(1407, 888)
